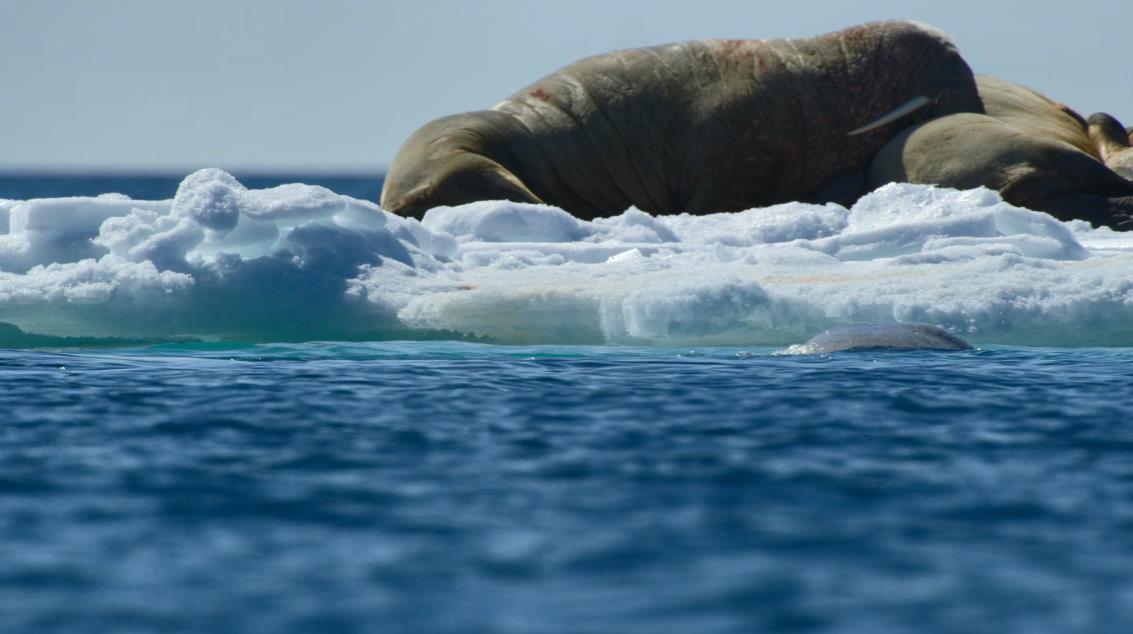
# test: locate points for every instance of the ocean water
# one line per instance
(455, 487)
(162, 185)
(263, 407)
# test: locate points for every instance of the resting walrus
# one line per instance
(1112, 143)
(700, 126)
(1035, 151)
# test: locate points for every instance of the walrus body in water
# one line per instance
(848, 337)
(700, 126)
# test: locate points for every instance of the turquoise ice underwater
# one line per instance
(641, 458)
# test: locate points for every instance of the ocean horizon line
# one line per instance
(79, 170)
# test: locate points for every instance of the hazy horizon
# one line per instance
(289, 86)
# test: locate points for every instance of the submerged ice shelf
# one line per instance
(298, 262)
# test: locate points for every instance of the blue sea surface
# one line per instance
(456, 487)
(26, 185)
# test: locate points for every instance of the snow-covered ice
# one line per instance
(296, 262)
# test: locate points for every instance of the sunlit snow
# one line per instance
(297, 262)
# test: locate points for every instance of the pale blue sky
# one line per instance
(336, 84)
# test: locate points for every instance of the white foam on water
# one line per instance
(300, 262)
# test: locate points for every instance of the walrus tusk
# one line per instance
(908, 107)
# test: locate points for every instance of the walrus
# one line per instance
(699, 126)
(1112, 143)
(1037, 152)
(862, 337)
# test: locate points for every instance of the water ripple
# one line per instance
(432, 487)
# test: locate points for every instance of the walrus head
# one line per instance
(1112, 143)
(446, 163)
(937, 84)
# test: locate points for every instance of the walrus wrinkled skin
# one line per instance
(701, 126)
(1035, 151)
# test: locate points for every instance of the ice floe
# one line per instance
(297, 262)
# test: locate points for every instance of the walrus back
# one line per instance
(1032, 113)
